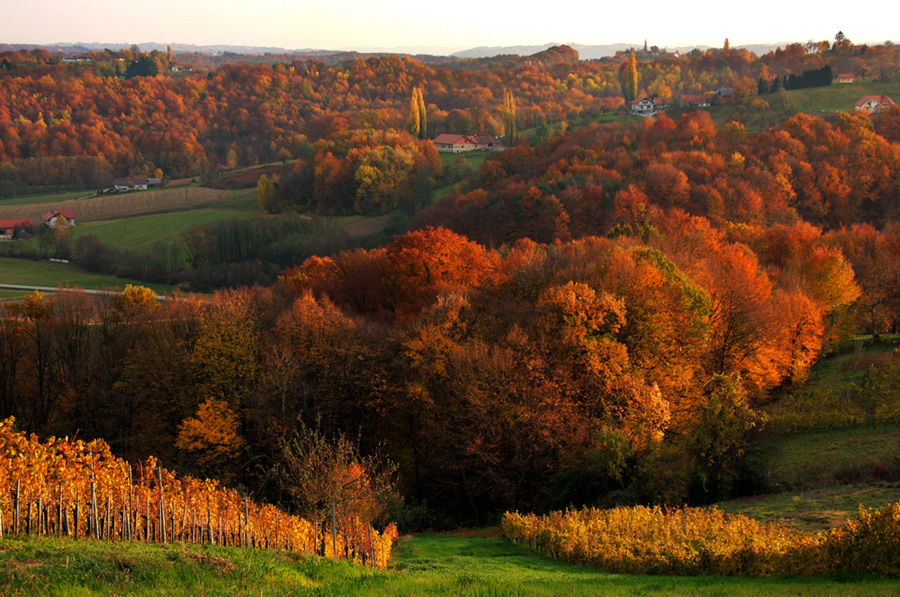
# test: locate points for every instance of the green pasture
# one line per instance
(839, 97)
(817, 509)
(829, 457)
(144, 230)
(46, 198)
(27, 272)
(423, 565)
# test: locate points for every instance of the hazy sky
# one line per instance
(428, 25)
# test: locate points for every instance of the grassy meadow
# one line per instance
(460, 564)
(26, 272)
(817, 509)
(144, 230)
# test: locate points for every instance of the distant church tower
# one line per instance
(645, 44)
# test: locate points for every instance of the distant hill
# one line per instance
(591, 52)
(585, 52)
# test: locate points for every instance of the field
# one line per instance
(45, 198)
(827, 457)
(143, 230)
(460, 564)
(838, 97)
(115, 206)
(26, 272)
(815, 510)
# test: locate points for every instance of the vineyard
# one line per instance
(115, 206)
(695, 541)
(78, 489)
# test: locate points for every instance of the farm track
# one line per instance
(115, 206)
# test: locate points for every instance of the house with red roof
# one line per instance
(845, 78)
(13, 229)
(643, 106)
(874, 103)
(59, 217)
(455, 143)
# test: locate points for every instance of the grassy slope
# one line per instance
(142, 231)
(815, 510)
(425, 565)
(839, 97)
(45, 198)
(45, 273)
(827, 457)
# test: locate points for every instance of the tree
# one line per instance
(266, 197)
(423, 116)
(719, 443)
(319, 473)
(630, 79)
(211, 436)
(727, 45)
(509, 117)
(415, 122)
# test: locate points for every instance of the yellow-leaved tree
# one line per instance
(211, 437)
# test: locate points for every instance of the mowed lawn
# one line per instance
(26, 272)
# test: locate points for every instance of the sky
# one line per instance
(438, 27)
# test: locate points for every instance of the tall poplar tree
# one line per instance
(423, 115)
(509, 117)
(630, 79)
(415, 122)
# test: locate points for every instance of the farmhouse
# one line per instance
(59, 217)
(694, 101)
(845, 78)
(643, 106)
(122, 185)
(455, 143)
(12, 229)
(874, 103)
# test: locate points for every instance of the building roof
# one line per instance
(484, 139)
(66, 213)
(448, 138)
(15, 223)
(883, 100)
(638, 100)
(694, 100)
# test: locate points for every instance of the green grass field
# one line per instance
(46, 273)
(423, 565)
(142, 231)
(45, 198)
(825, 458)
(841, 97)
(815, 510)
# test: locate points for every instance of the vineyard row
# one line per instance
(79, 489)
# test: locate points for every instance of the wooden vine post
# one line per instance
(333, 532)
(162, 508)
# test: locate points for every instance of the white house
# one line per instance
(643, 106)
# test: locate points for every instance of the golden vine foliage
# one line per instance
(80, 489)
(691, 541)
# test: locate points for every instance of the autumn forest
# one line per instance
(598, 314)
